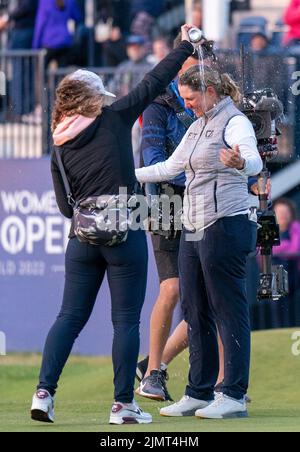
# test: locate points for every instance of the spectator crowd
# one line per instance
(125, 33)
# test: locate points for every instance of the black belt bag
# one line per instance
(98, 220)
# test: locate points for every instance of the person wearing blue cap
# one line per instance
(135, 40)
(130, 72)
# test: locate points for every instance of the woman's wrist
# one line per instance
(242, 165)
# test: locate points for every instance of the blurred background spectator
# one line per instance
(118, 11)
(52, 30)
(161, 47)
(260, 44)
(143, 15)
(20, 23)
(197, 14)
(289, 249)
(114, 49)
(154, 7)
(130, 72)
(288, 255)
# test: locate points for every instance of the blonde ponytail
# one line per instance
(230, 88)
(223, 83)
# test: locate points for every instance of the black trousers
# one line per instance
(64, 57)
(213, 293)
(86, 265)
(23, 74)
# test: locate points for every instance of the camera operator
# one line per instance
(218, 153)
(94, 142)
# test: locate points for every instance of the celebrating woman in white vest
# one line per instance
(218, 154)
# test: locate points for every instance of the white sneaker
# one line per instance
(185, 407)
(248, 399)
(224, 407)
(128, 413)
(42, 408)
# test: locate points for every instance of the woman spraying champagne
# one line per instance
(94, 144)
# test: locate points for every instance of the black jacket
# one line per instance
(24, 14)
(100, 159)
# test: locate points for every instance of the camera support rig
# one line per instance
(264, 109)
(273, 281)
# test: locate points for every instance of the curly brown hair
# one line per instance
(75, 97)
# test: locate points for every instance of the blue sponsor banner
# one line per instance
(33, 237)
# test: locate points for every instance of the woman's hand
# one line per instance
(185, 32)
(232, 158)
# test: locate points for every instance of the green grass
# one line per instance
(85, 394)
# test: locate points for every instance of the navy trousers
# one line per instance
(86, 265)
(213, 293)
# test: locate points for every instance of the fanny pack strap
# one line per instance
(71, 200)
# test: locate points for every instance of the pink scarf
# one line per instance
(70, 128)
